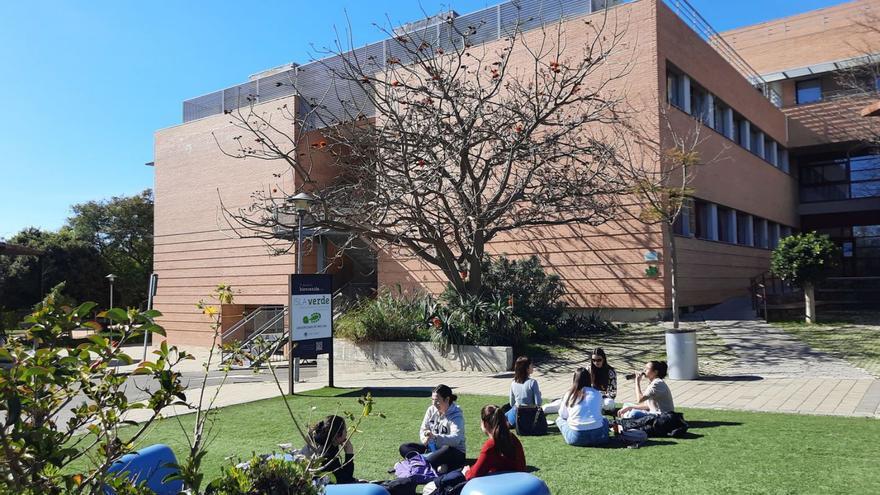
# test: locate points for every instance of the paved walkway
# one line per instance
(774, 373)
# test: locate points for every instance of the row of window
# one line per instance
(811, 91)
(840, 178)
(685, 94)
(713, 222)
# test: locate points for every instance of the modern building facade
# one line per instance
(780, 170)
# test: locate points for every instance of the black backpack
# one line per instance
(530, 421)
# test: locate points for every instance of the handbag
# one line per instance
(530, 421)
(416, 468)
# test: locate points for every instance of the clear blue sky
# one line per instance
(86, 83)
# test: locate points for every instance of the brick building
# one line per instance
(786, 159)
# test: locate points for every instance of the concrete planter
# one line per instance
(420, 356)
(681, 355)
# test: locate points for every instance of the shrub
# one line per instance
(388, 317)
(473, 321)
(803, 258)
(535, 296)
(585, 324)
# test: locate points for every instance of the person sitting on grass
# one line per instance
(580, 415)
(524, 390)
(502, 452)
(656, 399)
(604, 379)
(441, 434)
(327, 437)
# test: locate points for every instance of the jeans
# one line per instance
(511, 416)
(450, 456)
(584, 438)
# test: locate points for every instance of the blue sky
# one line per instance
(86, 83)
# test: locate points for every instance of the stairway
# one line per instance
(262, 336)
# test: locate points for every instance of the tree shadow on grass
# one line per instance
(420, 392)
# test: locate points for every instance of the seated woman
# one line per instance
(524, 390)
(580, 416)
(656, 399)
(327, 436)
(603, 378)
(441, 435)
(502, 452)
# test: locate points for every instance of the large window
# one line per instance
(673, 89)
(840, 178)
(809, 91)
(701, 222)
(726, 228)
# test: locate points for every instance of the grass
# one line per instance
(856, 341)
(629, 349)
(727, 452)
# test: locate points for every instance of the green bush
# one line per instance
(804, 258)
(388, 317)
(473, 321)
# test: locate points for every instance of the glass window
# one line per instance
(737, 125)
(809, 91)
(701, 212)
(773, 232)
(865, 189)
(673, 88)
(725, 226)
(754, 139)
(742, 225)
(719, 116)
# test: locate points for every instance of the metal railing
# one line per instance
(701, 26)
(262, 332)
(763, 288)
(315, 81)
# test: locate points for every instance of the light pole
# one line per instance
(111, 278)
(300, 203)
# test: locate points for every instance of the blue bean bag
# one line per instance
(506, 484)
(356, 489)
(151, 465)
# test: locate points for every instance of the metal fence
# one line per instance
(316, 82)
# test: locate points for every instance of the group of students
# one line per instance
(592, 394)
(442, 434)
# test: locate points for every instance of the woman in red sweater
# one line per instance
(502, 452)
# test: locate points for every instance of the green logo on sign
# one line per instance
(313, 318)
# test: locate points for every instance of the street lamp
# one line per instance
(300, 203)
(111, 278)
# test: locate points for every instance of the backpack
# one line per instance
(416, 468)
(670, 424)
(530, 421)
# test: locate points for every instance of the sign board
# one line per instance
(311, 314)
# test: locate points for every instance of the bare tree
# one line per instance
(860, 83)
(444, 147)
(662, 167)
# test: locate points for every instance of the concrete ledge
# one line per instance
(420, 356)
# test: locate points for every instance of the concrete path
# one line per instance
(774, 373)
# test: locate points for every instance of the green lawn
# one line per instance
(856, 341)
(728, 452)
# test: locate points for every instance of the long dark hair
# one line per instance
(580, 380)
(445, 392)
(496, 423)
(599, 376)
(521, 369)
(323, 433)
(660, 367)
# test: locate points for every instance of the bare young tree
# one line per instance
(860, 83)
(442, 145)
(662, 168)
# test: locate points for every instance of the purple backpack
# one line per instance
(416, 468)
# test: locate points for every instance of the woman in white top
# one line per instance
(580, 415)
(524, 390)
(656, 399)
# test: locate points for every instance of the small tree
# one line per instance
(804, 260)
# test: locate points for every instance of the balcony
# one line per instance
(834, 119)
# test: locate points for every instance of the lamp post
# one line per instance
(111, 277)
(300, 203)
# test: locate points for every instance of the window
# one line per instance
(768, 150)
(737, 129)
(841, 178)
(742, 225)
(673, 89)
(726, 227)
(700, 103)
(701, 212)
(809, 91)
(759, 225)
(773, 232)
(754, 139)
(720, 122)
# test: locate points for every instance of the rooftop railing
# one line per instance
(316, 83)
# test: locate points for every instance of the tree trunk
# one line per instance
(673, 276)
(810, 302)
